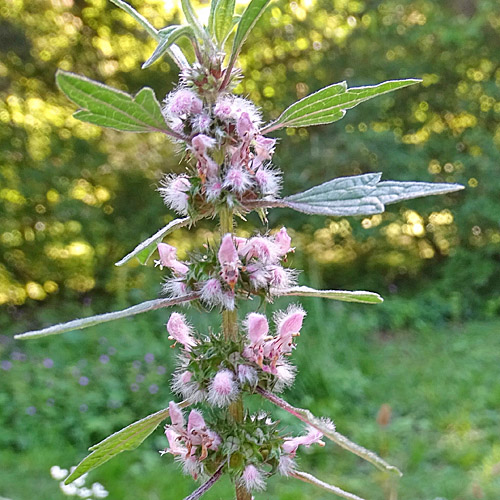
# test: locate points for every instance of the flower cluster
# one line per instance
(190, 443)
(215, 370)
(77, 487)
(240, 266)
(232, 159)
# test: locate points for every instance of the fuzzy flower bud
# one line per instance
(223, 388)
(268, 181)
(184, 102)
(247, 375)
(257, 327)
(174, 193)
(168, 258)
(237, 180)
(180, 331)
(289, 326)
(201, 143)
(252, 478)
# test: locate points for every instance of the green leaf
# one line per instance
(126, 439)
(144, 250)
(109, 107)
(194, 22)
(361, 195)
(327, 428)
(138, 17)
(331, 103)
(221, 18)
(168, 36)
(79, 324)
(343, 295)
(248, 20)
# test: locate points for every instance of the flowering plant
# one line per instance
(230, 174)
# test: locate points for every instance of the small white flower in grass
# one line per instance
(99, 491)
(84, 493)
(252, 478)
(57, 473)
(68, 489)
(223, 389)
(180, 331)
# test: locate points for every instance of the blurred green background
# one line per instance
(415, 378)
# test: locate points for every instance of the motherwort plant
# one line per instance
(229, 151)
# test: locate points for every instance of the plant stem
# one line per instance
(230, 329)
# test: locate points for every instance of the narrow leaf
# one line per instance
(309, 478)
(361, 195)
(194, 22)
(327, 428)
(79, 324)
(343, 295)
(144, 250)
(174, 51)
(168, 37)
(126, 439)
(331, 103)
(248, 20)
(223, 19)
(113, 108)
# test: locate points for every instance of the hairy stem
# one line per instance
(309, 478)
(207, 485)
(230, 329)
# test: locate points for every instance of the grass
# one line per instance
(427, 402)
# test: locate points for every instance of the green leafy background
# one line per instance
(75, 198)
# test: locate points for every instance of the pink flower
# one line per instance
(287, 465)
(257, 328)
(201, 143)
(176, 416)
(180, 331)
(174, 193)
(247, 375)
(223, 388)
(175, 448)
(282, 242)
(252, 478)
(264, 147)
(278, 277)
(168, 258)
(289, 325)
(211, 292)
(175, 288)
(261, 248)
(237, 180)
(245, 127)
(229, 261)
(313, 436)
(213, 190)
(202, 122)
(259, 277)
(268, 180)
(184, 102)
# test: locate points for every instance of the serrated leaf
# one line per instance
(221, 19)
(168, 36)
(343, 295)
(109, 107)
(144, 250)
(129, 438)
(247, 21)
(361, 195)
(331, 103)
(79, 324)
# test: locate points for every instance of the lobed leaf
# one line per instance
(144, 250)
(109, 107)
(129, 438)
(79, 324)
(168, 36)
(330, 104)
(343, 295)
(361, 195)
(247, 21)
